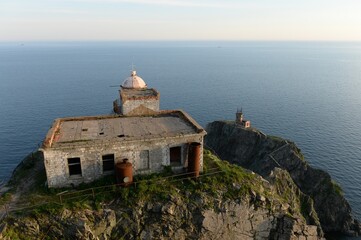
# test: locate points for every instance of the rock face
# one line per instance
(262, 154)
(86, 224)
(173, 219)
(242, 222)
(232, 204)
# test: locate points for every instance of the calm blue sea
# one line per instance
(309, 92)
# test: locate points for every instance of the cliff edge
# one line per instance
(260, 153)
(225, 202)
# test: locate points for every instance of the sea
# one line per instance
(308, 92)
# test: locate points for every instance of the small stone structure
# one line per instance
(136, 98)
(82, 149)
(240, 121)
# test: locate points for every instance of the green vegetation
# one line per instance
(308, 211)
(276, 138)
(230, 182)
(230, 175)
(337, 188)
(220, 180)
(5, 198)
(12, 234)
(331, 187)
(290, 194)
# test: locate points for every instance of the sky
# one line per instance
(128, 20)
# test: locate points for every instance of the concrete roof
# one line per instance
(121, 128)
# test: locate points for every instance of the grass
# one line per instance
(12, 234)
(337, 188)
(5, 198)
(231, 174)
(276, 138)
(331, 187)
(231, 183)
(157, 187)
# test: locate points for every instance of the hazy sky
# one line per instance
(23, 20)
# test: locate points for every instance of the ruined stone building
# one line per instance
(82, 149)
(240, 121)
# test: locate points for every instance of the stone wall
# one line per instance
(90, 154)
(131, 104)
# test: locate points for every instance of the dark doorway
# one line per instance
(175, 156)
(108, 162)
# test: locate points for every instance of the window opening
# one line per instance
(74, 166)
(108, 162)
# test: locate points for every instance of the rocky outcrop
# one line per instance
(232, 204)
(174, 219)
(246, 223)
(231, 221)
(84, 224)
(262, 154)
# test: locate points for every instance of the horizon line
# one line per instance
(180, 40)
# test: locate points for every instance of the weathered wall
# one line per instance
(90, 154)
(131, 104)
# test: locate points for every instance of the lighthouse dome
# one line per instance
(134, 81)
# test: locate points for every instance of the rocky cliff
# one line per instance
(227, 202)
(260, 153)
